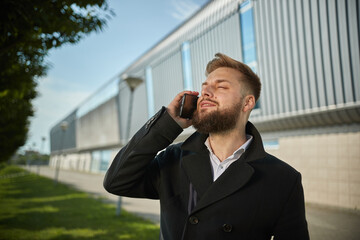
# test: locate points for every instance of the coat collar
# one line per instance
(197, 166)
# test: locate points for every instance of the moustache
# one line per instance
(209, 100)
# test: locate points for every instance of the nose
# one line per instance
(207, 91)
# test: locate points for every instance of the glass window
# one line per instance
(105, 159)
(271, 144)
(248, 37)
(186, 65)
(95, 161)
(149, 91)
(100, 160)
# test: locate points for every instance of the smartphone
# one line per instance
(188, 105)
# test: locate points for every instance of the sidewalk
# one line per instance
(325, 223)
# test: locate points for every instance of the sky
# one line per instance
(77, 71)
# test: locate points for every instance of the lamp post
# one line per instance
(40, 154)
(42, 145)
(63, 126)
(133, 83)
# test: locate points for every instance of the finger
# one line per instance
(179, 96)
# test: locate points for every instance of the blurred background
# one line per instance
(133, 57)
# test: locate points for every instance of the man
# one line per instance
(219, 183)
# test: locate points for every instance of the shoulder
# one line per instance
(275, 169)
(278, 163)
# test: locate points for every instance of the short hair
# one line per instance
(251, 80)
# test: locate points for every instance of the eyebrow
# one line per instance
(216, 81)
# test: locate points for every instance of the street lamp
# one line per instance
(63, 126)
(40, 154)
(43, 144)
(133, 83)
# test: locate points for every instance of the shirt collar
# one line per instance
(237, 153)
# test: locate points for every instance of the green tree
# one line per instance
(28, 30)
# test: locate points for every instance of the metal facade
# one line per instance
(167, 79)
(139, 109)
(103, 124)
(59, 139)
(223, 37)
(307, 58)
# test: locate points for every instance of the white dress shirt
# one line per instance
(219, 167)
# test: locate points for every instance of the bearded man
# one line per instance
(219, 183)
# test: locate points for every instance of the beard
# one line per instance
(217, 121)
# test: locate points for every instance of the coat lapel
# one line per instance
(234, 178)
(199, 172)
(196, 163)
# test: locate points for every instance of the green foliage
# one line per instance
(32, 208)
(28, 30)
(31, 158)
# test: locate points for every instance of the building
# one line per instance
(307, 56)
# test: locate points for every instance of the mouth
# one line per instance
(207, 104)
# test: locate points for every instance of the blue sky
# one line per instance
(79, 70)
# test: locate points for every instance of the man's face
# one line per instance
(220, 103)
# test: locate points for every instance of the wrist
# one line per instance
(182, 122)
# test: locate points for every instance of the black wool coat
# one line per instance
(257, 197)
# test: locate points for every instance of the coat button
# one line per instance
(227, 228)
(193, 220)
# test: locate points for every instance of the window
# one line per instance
(95, 161)
(248, 37)
(186, 65)
(105, 159)
(149, 91)
(100, 160)
(271, 144)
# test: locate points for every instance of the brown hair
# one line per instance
(251, 80)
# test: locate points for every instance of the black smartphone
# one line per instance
(188, 105)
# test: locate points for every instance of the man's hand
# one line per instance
(174, 109)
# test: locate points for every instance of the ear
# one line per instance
(249, 103)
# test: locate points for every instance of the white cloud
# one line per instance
(183, 9)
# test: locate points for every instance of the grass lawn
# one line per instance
(32, 207)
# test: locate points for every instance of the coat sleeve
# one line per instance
(135, 171)
(292, 223)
